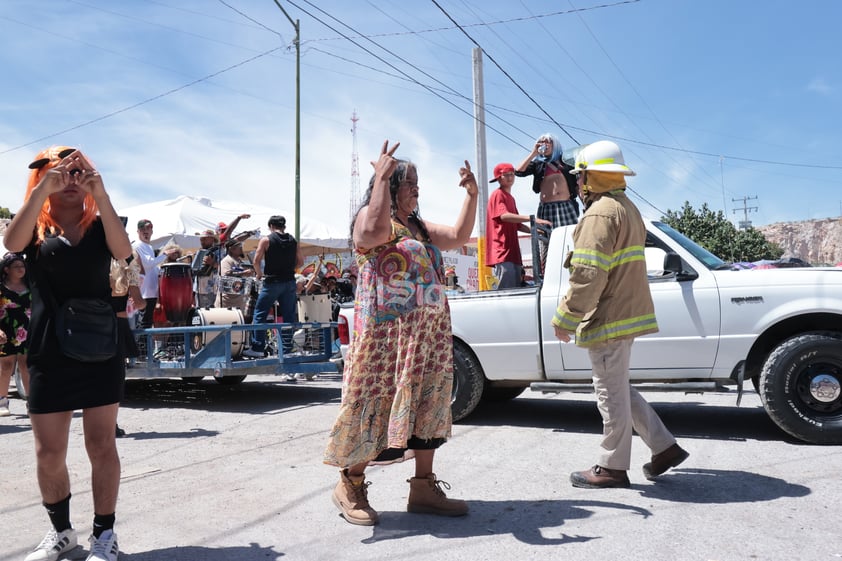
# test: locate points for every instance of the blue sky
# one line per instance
(710, 100)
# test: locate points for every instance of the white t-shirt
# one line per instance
(149, 286)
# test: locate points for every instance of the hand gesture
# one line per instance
(543, 222)
(386, 164)
(79, 168)
(467, 179)
(245, 216)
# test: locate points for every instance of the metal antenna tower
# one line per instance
(355, 170)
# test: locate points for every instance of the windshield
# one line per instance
(710, 260)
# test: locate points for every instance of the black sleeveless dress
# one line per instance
(56, 382)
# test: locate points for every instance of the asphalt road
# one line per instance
(216, 473)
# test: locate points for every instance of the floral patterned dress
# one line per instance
(15, 309)
(399, 370)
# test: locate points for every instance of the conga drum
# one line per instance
(176, 292)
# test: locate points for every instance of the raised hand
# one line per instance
(77, 167)
(467, 179)
(386, 164)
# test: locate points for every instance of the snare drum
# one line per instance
(218, 316)
(236, 286)
(176, 291)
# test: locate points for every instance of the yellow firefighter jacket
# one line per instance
(609, 294)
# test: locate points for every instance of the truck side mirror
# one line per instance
(674, 265)
(672, 262)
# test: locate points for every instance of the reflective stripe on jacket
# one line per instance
(609, 294)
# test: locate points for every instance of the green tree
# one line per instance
(713, 231)
(5, 212)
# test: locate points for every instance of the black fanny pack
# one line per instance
(86, 329)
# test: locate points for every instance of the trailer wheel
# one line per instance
(468, 382)
(230, 380)
(800, 387)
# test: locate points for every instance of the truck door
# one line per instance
(688, 317)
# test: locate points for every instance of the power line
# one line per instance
(491, 58)
(138, 104)
(381, 59)
(486, 24)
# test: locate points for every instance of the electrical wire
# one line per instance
(381, 59)
(140, 103)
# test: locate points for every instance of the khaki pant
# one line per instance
(622, 407)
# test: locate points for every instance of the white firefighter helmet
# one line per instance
(602, 155)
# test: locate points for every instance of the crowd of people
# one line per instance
(398, 376)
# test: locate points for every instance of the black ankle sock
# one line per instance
(103, 522)
(59, 514)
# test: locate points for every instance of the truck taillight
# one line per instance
(344, 334)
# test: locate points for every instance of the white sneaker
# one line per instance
(53, 545)
(4, 407)
(104, 548)
(251, 353)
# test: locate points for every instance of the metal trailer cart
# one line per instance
(216, 349)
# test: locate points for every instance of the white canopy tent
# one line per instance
(181, 218)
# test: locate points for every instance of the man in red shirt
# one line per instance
(502, 223)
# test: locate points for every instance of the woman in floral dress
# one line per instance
(399, 373)
(15, 308)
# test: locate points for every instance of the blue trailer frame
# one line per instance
(214, 357)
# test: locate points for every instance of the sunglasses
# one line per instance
(38, 164)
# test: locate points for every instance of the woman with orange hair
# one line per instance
(69, 232)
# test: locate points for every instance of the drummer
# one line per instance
(148, 261)
(235, 271)
(206, 276)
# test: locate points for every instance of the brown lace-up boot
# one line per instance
(351, 497)
(427, 497)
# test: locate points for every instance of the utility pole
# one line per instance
(355, 170)
(479, 171)
(745, 223)
(297, 42)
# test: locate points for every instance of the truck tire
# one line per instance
(468, 382)
(800, 387)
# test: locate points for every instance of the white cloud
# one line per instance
(820, 86)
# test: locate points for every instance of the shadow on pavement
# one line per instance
(711, 486)
(192, 433)
(252, 552)
(246, 397)
(541, 522)
(530, 522)
(685, 419)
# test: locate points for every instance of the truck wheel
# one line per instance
(468, 382)
(230, 380)
(800, 387)
(490, 393)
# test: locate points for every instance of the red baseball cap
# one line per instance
(502, 169)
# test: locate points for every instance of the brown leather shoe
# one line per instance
(661, 462)
(599, 477)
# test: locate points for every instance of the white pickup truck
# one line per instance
(779, 328)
